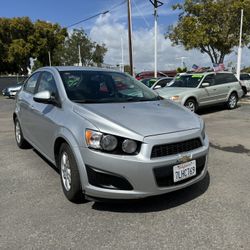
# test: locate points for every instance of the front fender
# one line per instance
(67, 135)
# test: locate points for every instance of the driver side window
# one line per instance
(47, 82)
(210, 79)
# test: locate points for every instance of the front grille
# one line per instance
(175, 148)
(164, 175)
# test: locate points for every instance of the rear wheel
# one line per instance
(69, 174)
(21, 142)
(191, 104)
(232, 101)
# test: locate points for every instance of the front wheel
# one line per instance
(232, 101)
(69, 174)
(191, 105)
(21, 142)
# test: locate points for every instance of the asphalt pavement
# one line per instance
(212, 214)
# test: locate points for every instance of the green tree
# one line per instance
(211, 26)
(47, 37)
(15, 49)
(20, 40)
(181, 70)
(92, 54)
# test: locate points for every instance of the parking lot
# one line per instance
(213, 214)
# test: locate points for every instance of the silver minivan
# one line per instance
(196, 90)
(109, 135)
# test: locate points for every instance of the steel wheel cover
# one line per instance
(65, 171)
(232, 101)
(190, 105)
(18, 132)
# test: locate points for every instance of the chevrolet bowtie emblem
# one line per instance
(185, 158)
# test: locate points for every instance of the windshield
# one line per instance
(187, 81)
(104, 87)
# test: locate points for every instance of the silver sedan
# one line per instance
(109, 135)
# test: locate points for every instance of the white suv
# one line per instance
(245, 82)
(196, 90)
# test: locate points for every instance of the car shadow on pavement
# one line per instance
(212, 109)
(239, 149)
(47, 161)
(156, 203)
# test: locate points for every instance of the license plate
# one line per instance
(184, 170)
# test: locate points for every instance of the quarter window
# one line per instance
(30, 85)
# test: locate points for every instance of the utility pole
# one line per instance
(79, 55)
(49, 58)
(156, 4)
(240, 46)
(122, 64)
(130, 39)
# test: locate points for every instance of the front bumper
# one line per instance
(9, 93)
(139, 170)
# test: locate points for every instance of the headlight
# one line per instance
(175, 98)
(108, 142)
(129, 146)
(93, 139)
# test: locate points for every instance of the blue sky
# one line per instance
(66, 12)
(111, 29)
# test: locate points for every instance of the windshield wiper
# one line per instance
(86, 101)
(139, 99)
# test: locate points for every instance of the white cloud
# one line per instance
(110, 32)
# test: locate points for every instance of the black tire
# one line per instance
(232, 101)
(191, 104)
(72, 190)
(21, 142)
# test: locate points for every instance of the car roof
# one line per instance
(78, 68)
(205, 73)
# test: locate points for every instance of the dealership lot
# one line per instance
(213, 214)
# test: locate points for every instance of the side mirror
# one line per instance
(45, 97)
(157, 87)
(205, 84)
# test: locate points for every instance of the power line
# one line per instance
(98, 14)
(140, 13)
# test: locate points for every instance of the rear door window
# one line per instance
(224, 78)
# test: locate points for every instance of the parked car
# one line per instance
(109, 142)
(150, 74)
(12, 90)
(245, 82)
(197, 90)
(156, 83)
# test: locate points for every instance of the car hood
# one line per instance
(171, 91)
(141, 118)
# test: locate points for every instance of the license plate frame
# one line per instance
(184, 171)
